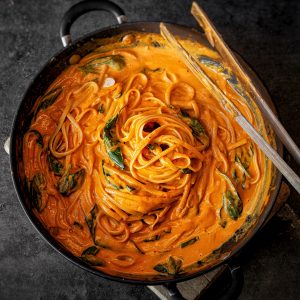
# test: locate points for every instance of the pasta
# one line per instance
(133, 166)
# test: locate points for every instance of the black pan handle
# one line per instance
(83, 7)
(226, 285)
(174, 293)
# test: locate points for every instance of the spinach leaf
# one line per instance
(232, 202)
(111, 123)
(130, 188)
(106, 175)
(93, 250)
(157, 237)
(55, 165)
(39, 137)
(151, 146)
(197, 129)
(242, 165)
(156, 44)
(171, 267)
(137, 247)
(70, 183)
(91, 221)
(190, 242)
(148, 70)
(186, 171)
(89, 256)
(152, 238)
(116, 62)
(101, 108)
(37, 192)
(112, 144)
(49, 98)
(78, 225)
(161, 268)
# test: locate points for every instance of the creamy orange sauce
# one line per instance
(165, 193)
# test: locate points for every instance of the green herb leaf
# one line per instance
(155, 44)
(101, 108)
(157, 236)
(232, 202)
(70, 183)
(90, 251)
(223, 223)
(55, 165)
(186, 171)
(37, 192)
(161, 268)
(190, 242)
(91, 221)
(137, 247)
(116, 62)
(148, 70)
(130, 188)
(242, 165)
(151, 146)
(89, 256)
(222, 217)
(115, 156)
(49, 98)
(78, 225)
(112, 144)
(234, 176)
(172, 267)
(101, 245)
(86, 69)
(197, 129)
(111, 123)
(106, 175)
(152, 239)
(39, 138)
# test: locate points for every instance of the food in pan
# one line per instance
(133, 166)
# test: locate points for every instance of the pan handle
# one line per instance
(83, 7)
(174, 293)
(226, 285)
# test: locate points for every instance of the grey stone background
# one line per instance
(266, 33)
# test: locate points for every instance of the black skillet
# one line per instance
(22, 121)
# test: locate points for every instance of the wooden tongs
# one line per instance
(216, 41)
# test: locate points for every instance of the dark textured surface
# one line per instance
(266, 33)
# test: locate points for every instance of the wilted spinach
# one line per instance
(232, 202)
(49, 98)
(112, 144)
(37, 192)
(70, 183)
(55, 165)
(171, 267)
(91, 221)
(39, 137)
(116, 62)
(189, 242)
(89, 256)
(197, 129)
